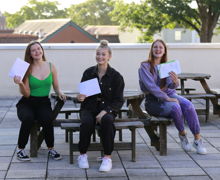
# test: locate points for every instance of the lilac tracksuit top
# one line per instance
(158, 105)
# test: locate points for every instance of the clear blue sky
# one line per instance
(12, 6)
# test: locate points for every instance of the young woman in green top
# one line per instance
(35, 104)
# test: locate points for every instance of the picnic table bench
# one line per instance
(204, 96)
(156, 127)
(119, 124)
(201, 77)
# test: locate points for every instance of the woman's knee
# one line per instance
(107, 119)
(86, 119)
(176, 110)
(26, 117)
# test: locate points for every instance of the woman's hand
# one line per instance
(174, 77)
(17, 80)
(172, 100)
(81, 97)
(62, 96)
(99, 116)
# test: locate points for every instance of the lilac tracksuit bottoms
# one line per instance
(178, 112)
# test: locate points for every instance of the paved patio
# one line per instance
(177, 165)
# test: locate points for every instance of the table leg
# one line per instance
(133, 141)
(182, 86)
(70, 132)
(216, 106)
(34, 141)
(163, 139)
(58, 106)
(135, 103)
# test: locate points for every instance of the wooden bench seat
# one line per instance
(69, 110)
(187, 90)
(204, 96)
(216, 105)
(159, 123)
(216, 92)
(131, 125)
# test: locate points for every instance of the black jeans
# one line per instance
(107, 131)
(31, 110)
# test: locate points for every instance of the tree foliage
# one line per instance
(141, 16)
(203, 18)
(92, 12)
(151, 16)
(35, 10)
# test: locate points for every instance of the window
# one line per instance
(177, 35)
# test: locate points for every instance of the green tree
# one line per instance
(141, 16)
(151, 16)
(35, 10)
(203, 18)
(92, 12)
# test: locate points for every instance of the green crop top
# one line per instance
(39, 87)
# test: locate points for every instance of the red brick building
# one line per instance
(110, 33)
(16, 38)
(55, 31)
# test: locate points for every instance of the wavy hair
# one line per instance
(27, 57)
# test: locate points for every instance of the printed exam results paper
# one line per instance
(89, 87)
(19, 68)
(167, 67)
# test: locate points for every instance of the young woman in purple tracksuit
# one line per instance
(162, 100)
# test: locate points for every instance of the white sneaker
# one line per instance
(106, 165)
(83, 161)
(185, 143)
(198, 145)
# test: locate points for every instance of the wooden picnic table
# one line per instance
(201, 77)
(194, 76)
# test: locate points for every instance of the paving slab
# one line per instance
(148, 178)
(191, 178)
(2, 174)
(208, 163)
(179, 164)
(66, 173)
(26, 174)
(184, 171)
(146, 172)
(115, 172)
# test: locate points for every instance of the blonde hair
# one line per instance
(104, 45)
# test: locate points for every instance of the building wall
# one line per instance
(72, 59)
(129, 36)
(70, 35)
(216, 38)
(186, 35)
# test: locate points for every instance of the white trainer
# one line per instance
(185, 143)
(198, 145)
(83, 161)
(106, 165)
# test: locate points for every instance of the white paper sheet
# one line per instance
(19, 68)
(167, 67)
(89, 87)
